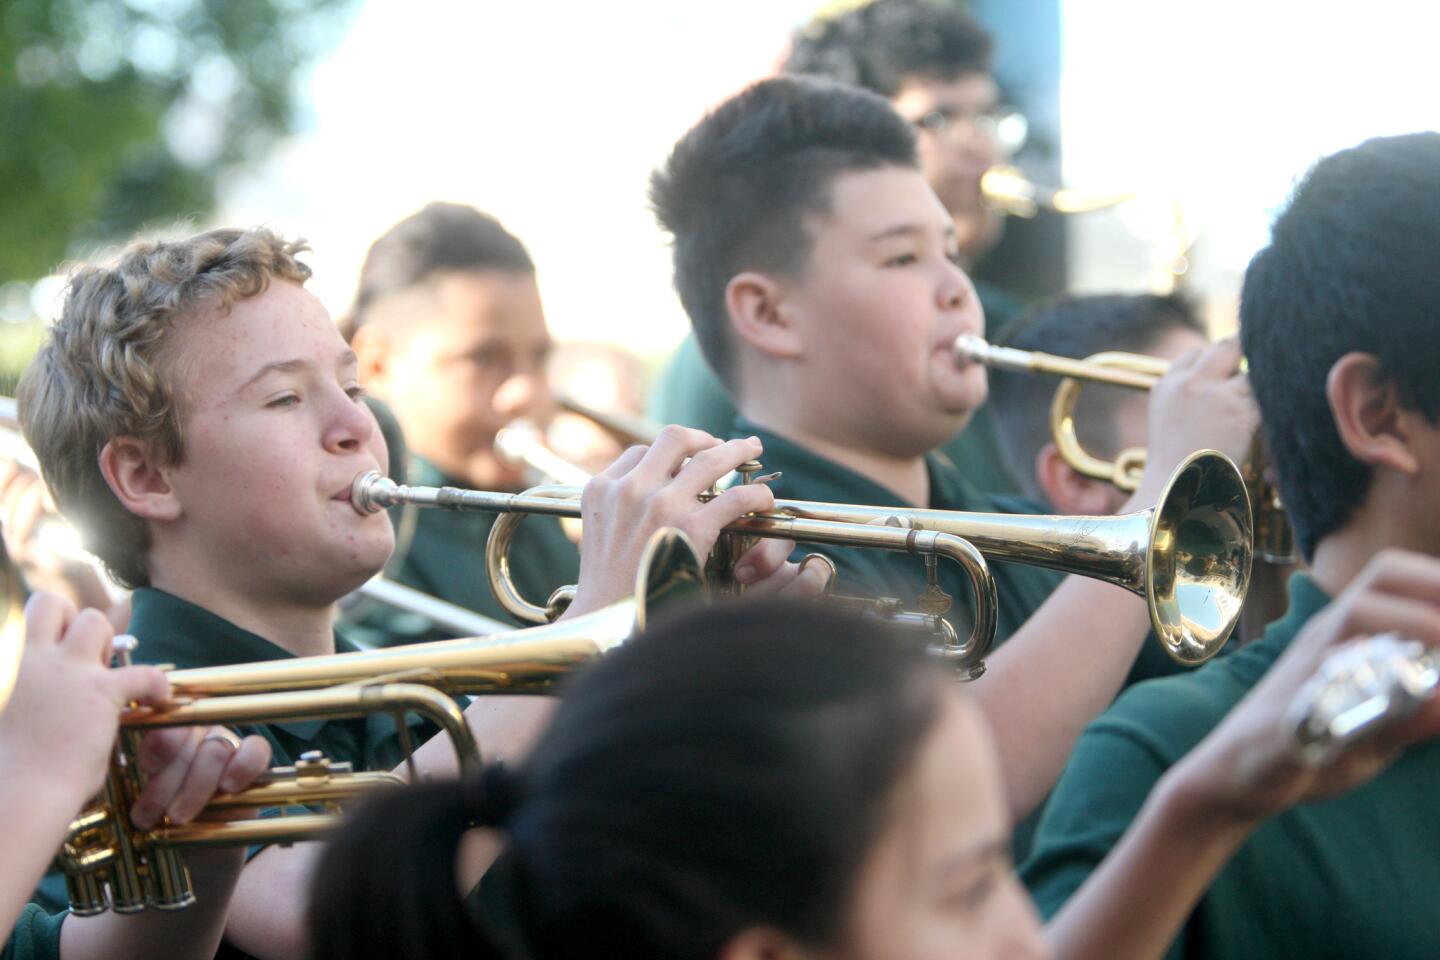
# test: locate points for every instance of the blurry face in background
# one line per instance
(954, 159)
(1069, 492)
(457, 360)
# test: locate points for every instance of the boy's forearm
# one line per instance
(36, 820)
(268, 910)
(190, 934)
(1137, 901)
(1053, 676)
(267, 916)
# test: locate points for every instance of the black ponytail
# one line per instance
(387, 862)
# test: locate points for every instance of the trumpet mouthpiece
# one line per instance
(972, 348)
(371, 493)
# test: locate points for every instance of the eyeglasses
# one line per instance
(1008, 128)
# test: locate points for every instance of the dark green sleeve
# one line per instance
(1105, 783)
(688, 393)
(1115, 765)
(36, 935)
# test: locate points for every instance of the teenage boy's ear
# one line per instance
(1069, 492)
(1374, 426)
(138, 481)
(760, 314)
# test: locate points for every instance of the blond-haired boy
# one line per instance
(198, 414)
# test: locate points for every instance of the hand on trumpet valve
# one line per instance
(187, 766)
(65, 703)
(664, 485)
(1203, 403)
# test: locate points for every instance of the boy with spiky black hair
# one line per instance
(818, 269)
(1340, 318)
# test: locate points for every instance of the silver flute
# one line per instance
(1359, 689)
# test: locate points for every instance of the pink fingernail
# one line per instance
(745, 573)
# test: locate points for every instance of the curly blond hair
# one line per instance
(106, 370)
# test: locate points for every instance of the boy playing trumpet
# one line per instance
(197, 411)
(819, 271)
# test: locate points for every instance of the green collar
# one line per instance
(1306, 600)
(820, 478)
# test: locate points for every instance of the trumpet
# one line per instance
(1008, 190)
(1189, 556)
(523, 441)
(1274, 540)
(110, 864)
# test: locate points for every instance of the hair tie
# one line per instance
(492, 797)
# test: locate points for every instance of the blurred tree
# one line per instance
(119, 113)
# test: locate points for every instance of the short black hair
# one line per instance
(1350, 268)
(441, 237)
(735, 191)
(879, 44)
(1076, 326)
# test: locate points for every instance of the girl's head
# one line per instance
(749, 781)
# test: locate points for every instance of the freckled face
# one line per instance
(274, 433)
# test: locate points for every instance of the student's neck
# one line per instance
(906, 476)
(302, 629)
(1381, 522)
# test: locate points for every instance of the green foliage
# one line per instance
(116, 114)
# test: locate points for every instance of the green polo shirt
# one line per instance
(688, 392)
(175, 631)
(805, 475)
(1348, 877)
(36, 935)
(446, 559)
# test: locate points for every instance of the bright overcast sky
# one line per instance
(551, 115)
